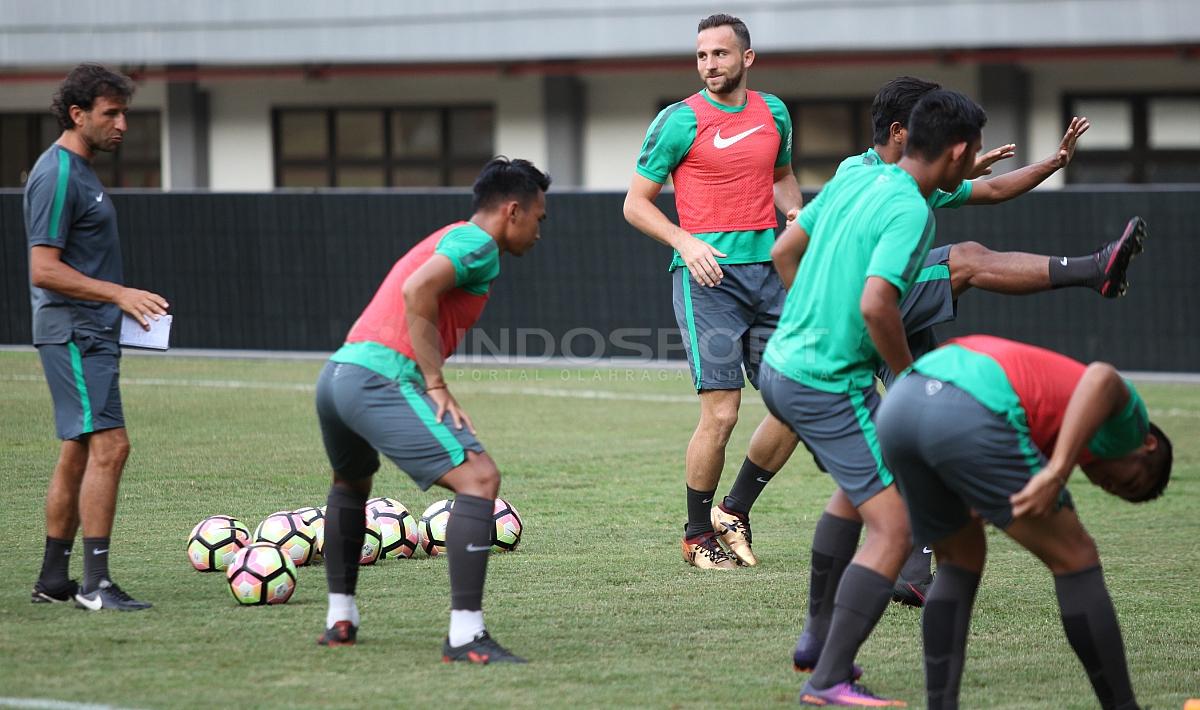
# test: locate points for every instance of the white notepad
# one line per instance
(156, 338)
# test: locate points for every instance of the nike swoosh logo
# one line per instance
(927, 550)
(472, 547)
(93, 604)
(706, 500)
(760, 479)
(100, 197)
(99, 552)
(721, 143)
(1063, 261)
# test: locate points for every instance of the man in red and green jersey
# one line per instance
(996, 427)
(384, 392)
(728, 151)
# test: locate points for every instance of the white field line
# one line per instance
(482, 388)
(49, 704)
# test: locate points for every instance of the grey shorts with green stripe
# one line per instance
(363, 414)
(836, 427)
(84, 378)
(929, 302)
(726, 327)
(952, 455)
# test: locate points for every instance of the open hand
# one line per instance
(446, 403)
(142, 305)
(1066, 149)
(701, 260)
(984, 163)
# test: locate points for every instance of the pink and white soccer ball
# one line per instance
(215, 541)
(261, 574)
(289, 533)
(507, 533)
(397, 531)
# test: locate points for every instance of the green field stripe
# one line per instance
(690, 317)
(85, 402)
(60, 191)
(868, 429)
(439, 430)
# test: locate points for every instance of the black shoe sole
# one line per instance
(1131, 245)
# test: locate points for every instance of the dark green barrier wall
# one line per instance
(291, 271)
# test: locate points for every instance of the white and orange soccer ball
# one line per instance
(215, 541)
(432, 527)
(315, 519)
(383, 502)
(507, 534)
(289, 533)
(261, 574)
(397, 531)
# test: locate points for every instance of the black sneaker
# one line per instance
(342, 633)
(911, 593)
(46, 595)
(482, 650)
(1113, 258)
(107, 595)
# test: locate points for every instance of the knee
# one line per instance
(483, 479)
(110, 450)
(719, 421)
(1077, 555)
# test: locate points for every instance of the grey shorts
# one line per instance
(726, 327)
(929, 302)
(363, 414)
(952, 455)
(84, 377)
(837, 429)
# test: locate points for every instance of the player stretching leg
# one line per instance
(384, 392)
(989, 425)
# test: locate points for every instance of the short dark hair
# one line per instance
(1160, 463)
(939, 120)
(894, 104)
(721, 20)
(503, 179)
(83, 85)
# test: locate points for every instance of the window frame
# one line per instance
(1140, 155)
(445, 163)
(111, 174)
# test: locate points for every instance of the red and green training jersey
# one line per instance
(379, 339)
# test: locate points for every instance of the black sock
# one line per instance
(862, 596)
(95, 562)
(1090, 621)
(747, 487)
(1075, 271)
(944, 624)
(918, 565)
(56, 563)
(345, 527)
(699, 507)
(468, 540)
(834, 542)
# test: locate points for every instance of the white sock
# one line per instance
(465, 626)
(341, 608)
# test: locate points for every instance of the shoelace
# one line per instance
(862, 690)
(738, 526)
(119, 593)
(715, 552)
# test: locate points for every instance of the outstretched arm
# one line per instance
(1018, 182)
(641, 212)
(421, 292)
(1100, 394)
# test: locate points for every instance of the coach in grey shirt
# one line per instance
(78, 297)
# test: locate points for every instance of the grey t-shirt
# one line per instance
(66, 207)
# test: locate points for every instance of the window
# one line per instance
(382, 147)
(136, 163)
(826, 132)
(1136, 138)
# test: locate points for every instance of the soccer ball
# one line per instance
(372, 542)
(315, 519)
(261, 574)
(432, 528)
(215, 541)
(289, 533)
(507, 534)
(397, 530)
(383, 502)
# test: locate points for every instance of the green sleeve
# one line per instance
(475, 256)
(668, 140)
(900, 252)
(783, 124)
(50, 203)
(1124, 431)
(958, 198)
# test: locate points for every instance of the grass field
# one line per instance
(597, 596)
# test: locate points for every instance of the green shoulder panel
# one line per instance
(668, 140)
(783, 124)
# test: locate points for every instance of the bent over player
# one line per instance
(997, 427)
(384, 392)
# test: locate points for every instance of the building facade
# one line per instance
(377, 94)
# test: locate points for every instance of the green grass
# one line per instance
(597, 595)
